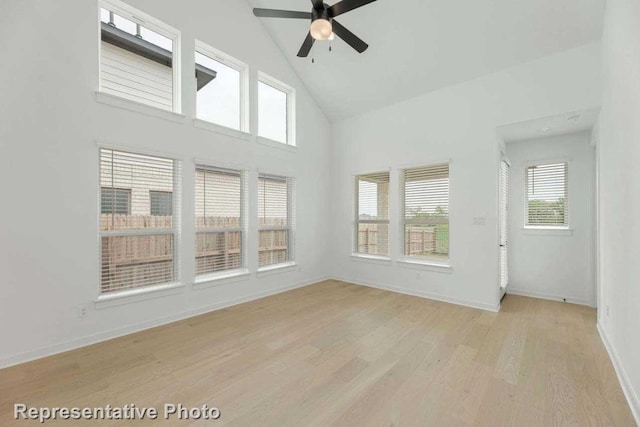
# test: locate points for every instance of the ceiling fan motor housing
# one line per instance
(320, 14)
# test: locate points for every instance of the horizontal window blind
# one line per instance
(220, 219)
(547, 199)
(426, 211)
(138, 240)
(276, 219)
(372, 214)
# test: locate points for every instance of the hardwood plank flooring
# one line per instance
(345, 355)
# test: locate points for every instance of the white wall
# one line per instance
(619, 189)
(49, 172)
(457, 123)
(545, 264)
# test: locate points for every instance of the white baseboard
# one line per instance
(423, 294)
(543, 295)
(141, 326)
(625, 383)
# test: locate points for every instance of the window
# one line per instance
(221, 83)
(276, 110)
(220, 220)
(115, 201)
(276, 219)
(137, 244)
(161, 203)
(547, 203)
(372, 214)
(426, 211)
(139, 57)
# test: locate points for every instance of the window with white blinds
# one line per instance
(426, 211)
(138, 57)
(138, 238)
(372, 214)
(220, 220)
(504, 226)
(276, 220)
(547, 195)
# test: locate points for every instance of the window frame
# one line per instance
(114, 298)
(291, 221)
(357, 221)
(567, 211)
(427, 260)
(243, 68)
(243, 229)
(291, 109)
(139, 17)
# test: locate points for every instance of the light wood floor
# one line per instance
(340, 354)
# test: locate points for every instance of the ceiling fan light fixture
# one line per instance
(321, 29)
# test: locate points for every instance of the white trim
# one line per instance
(141, 326)
(138, 107)
(112, 299)
(627, 387)
(376, 259)
(220, 279)
(425, 264)
(222, 130)
(424, 294)
(425, 163)
(291, 105)
(283, 267)
(143, 151)
(276, 144)
(547, 231)
(241, 67)
(544, 295)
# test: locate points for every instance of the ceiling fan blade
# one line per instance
(306, 46)
(350, 38)
(347, 5)
(273, 13)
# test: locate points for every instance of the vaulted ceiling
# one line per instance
(417, 46)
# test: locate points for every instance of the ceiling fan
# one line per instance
(323, 24)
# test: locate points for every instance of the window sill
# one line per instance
(276, 144)
(222, 130)
(138, 107)
(285, 267)
(375, 259)
(548, 231)
(220, 279)
(113, 299)
(439, 267)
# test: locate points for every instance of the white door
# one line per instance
(504, 227)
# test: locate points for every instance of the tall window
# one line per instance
(276, 219)
(547, 202)
(372, 214)
(276, 110)
(221, 83)
(220, 220)
(137, 231)
(139, 57)
(426, 212)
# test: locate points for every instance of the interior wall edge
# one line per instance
(422, 294)
(627, 387)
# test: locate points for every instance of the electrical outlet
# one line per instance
(82, 311)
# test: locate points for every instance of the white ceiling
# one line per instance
(544, 127)
(417, 46)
